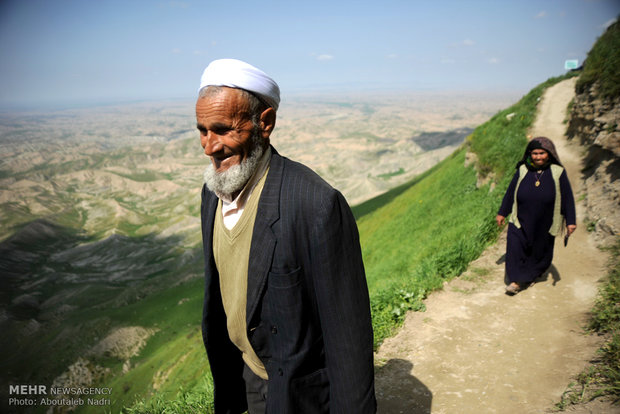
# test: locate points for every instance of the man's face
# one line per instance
(225, 128)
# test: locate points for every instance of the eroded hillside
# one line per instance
(99, 209)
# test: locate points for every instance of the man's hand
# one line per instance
(570, 229)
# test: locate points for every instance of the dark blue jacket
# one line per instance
(308, 311)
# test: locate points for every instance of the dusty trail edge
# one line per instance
(477, 350)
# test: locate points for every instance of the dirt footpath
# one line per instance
(477, 350)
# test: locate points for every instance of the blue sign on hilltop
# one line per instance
(571, 64)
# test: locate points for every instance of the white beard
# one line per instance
(235, 178)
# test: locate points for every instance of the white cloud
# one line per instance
(324, 57)
(392, 56)
(493, 61)
(448, 61)
(541, 14)
(467, 43)
(176, 51)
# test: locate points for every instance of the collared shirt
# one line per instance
(233, 209)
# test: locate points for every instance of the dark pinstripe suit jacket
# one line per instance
(308, 312)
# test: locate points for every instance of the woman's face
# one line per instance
(539, 157)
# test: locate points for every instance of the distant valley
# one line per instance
(99, 207)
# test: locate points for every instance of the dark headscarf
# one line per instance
(543, 143)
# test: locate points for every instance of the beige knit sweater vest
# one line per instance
(231, 249)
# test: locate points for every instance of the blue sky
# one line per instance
(63, 51)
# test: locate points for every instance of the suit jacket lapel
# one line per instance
(208, 219)
(263, 238)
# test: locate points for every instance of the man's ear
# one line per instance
(267, 122)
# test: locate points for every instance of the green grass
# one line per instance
(400, 171)
(425, 236)
(196, 401)
(603, 64)
(173, 358)
(602, 378)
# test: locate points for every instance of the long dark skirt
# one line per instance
(526, 261)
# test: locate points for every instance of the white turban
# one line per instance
(234, 73)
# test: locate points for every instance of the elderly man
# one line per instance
(286, 317)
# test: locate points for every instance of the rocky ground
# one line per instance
(477, 350)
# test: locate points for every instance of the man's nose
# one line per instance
(211, 143)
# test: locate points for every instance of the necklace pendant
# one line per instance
(537, 183)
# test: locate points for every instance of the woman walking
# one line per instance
(540, 202)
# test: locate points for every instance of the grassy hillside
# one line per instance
(416, 236)
(603, 64)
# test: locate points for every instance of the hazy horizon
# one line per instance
(324, 93)
(69, 52)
